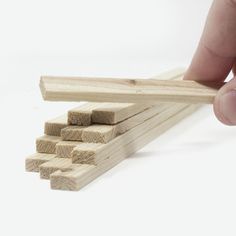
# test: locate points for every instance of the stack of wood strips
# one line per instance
(79, 146)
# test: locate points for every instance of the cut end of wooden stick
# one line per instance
(33, 162)
(42, 88)
(72, 180)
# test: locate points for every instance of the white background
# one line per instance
(181, 184)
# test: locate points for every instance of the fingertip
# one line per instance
(218, 113)
(225, 104)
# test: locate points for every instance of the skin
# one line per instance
(215, 57)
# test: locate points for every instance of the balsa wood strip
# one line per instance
(45, 85)
(94, 154)
(99, 133)
(82, 115)
(72, 133)
(90, 153)
(63, 164)
(112, 113)
(127, 90)
(47, 144)
(105, 133)
(77, 177)
(53, 127)
(64, 148)
(33, 162)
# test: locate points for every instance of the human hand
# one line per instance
(216, 57)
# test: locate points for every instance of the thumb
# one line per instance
(225, 103)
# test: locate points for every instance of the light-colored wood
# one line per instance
(72, 133)
(102, 113)
(94, 154)
(105, 133)
(53, 127)
(33, 162)
(74, 179)
(63, 164)
(99, 133)
(77, 177)
(64, 148)
(90, 153)
(112, 113)
(82, 115)
(63, 88)
(127, 90)
(47, 144)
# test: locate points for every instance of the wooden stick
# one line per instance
(53, 127)
(112, 113)
(95, 153)
(63, 164)
(47, 144)
(72, 133)
(102, 113)
(127, 90)
(99, 133)
(33, 162)
(77, 177)
(82, 115)
(105, 133)
(64, 148)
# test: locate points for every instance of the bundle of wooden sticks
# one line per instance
(91, 139)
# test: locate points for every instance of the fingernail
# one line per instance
(228, 107)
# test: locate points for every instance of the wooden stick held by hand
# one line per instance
(127, 90)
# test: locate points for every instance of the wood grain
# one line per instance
(64, 148)
(77, 177)
(63, 164)
(53, 127)
(95, 153)
(113, 113)
(127, 90)
(72, 133)
(99, 133)
(82, 115)
(105, 133)
(33, 162)
(47, 144)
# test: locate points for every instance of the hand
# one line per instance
(216, 57)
